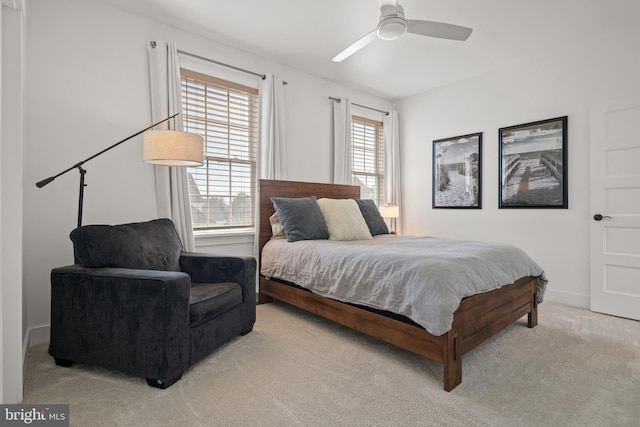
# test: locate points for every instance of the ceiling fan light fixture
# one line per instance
(392, 25)
(392, 28)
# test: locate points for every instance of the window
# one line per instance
(222, 190)
(368, 158)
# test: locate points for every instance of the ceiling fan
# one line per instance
(392, 25)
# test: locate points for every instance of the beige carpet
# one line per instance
(576, 368)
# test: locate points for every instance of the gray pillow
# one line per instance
(301, 218)
(372, 217)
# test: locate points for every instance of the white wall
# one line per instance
(87, 87)
(11, 137)
(565, 82)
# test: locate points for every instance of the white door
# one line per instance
(615, 207)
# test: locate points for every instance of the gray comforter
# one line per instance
(422, 278)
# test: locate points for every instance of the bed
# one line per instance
(477, 318)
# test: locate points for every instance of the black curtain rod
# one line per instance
(262, 76)
(338, 100)
(193, 55)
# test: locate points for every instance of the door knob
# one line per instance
(599, 217)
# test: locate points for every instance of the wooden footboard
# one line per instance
(478, 318)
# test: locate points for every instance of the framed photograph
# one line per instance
(533, 165)
(457, 172)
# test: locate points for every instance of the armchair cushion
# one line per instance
(152, 245)
(208, 300)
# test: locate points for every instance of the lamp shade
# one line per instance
(172, 148)
(390, 211)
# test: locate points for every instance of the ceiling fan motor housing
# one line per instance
(392, 23)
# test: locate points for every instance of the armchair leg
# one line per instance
(160, 383)
(63, 362)
(243, 333)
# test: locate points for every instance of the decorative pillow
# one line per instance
(152, 245)
(301, 218)
(344, 220)
(277, 232)
(372, 217)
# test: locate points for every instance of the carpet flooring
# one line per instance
(576, 368)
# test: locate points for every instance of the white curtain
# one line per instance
(272, 158)
(393, 187)
(342, 144)
(172, 185)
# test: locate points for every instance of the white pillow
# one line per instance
(344, 219)
(276, 227)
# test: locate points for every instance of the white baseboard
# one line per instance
(568, 298)
(35, 336)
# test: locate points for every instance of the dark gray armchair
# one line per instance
(136, 303)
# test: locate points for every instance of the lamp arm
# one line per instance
(46, 181)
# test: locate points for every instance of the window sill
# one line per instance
(219, 233)
(224, 237)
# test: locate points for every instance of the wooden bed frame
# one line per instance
(478, 318)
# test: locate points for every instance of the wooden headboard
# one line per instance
(275, 188)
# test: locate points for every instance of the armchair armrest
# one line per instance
(136, 321)
(210, 268)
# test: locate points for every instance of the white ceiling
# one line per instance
(306, 34)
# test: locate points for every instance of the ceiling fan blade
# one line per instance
(438, 29)
(373, 35)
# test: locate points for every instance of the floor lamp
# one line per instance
(162, 147)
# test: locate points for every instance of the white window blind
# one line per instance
(225, 114)
(368, 157)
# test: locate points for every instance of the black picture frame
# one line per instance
(457, 172)
(533, 165)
